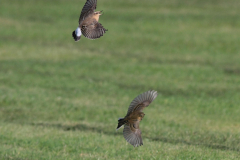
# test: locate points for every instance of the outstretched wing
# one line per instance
(132, 134)
(142, 101)
(88, 9)
(93, 31)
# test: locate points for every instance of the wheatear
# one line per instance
(88, 22)
(131, 131)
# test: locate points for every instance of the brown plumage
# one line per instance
(131, 131)
(88, 22)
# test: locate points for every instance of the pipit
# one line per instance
(88, 22)
(131, 131)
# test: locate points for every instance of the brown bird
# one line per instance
(131, 131)
(88, 22)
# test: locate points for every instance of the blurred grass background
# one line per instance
(61, 100)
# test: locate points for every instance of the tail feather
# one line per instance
(121, 122)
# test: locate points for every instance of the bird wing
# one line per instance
(93, 31)
(142, 101)
(88, 9)
(132, 134)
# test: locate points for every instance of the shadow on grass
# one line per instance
(77, 127)
(209, 92)
(213, 146)
(232, 71)
(10, 158)
(84, 127)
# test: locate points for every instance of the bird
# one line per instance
(88, 22)
(131, 131)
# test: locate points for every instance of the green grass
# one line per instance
(61, 100)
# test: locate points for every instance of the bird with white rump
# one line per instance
(88, 22)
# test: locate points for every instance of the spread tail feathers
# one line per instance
(121, 122)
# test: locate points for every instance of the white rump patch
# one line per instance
(78, 32)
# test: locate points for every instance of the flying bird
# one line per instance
(88, 22)
(131, 131)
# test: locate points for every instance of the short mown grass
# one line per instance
(61, 100)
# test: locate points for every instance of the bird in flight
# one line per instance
(131, 131)
(88, 22)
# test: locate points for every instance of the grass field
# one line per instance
(61, 100)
